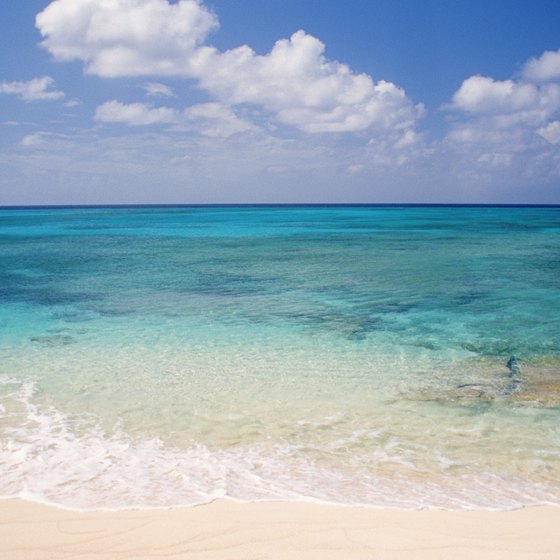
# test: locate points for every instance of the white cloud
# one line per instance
(501, 133)
(543, 69)
(216, 120)
(295, 83)
(480, 94)
(91, 166)
(304, 89)
(409, 138)
(126, 37)
(155, 89)
(40, 139)
(134, 114)
(507, 130)
(551, 132)
(37, 89)
(208, 119)
(33, 139)
(514, 113)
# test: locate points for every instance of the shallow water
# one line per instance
(172, 355)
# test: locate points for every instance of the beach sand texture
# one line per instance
(229, 531)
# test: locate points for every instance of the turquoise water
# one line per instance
(156, 356)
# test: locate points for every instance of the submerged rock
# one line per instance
(536, 384)
(513, 366)
(470, 392)
(53, 340)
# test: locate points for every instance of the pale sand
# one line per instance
(227, 531)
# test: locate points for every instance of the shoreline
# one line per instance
(226, 530)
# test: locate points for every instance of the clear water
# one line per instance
(358, 355)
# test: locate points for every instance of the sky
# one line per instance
(279, 101)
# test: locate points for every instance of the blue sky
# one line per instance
(147, 101)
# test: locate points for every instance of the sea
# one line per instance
(384, 356)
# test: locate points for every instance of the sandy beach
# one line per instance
(225, 530)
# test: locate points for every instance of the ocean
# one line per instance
(385, 356)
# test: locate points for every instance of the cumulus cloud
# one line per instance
(126, 37)
(544, 68)
(37, 89)
(134, 114)
(294, 83)
(531, 99)
(297, 83)
(507, 128)
(508, 103)
(480, 94)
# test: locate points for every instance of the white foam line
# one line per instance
(47, 463)
(32, 498)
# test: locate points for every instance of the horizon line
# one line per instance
(282, 205)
